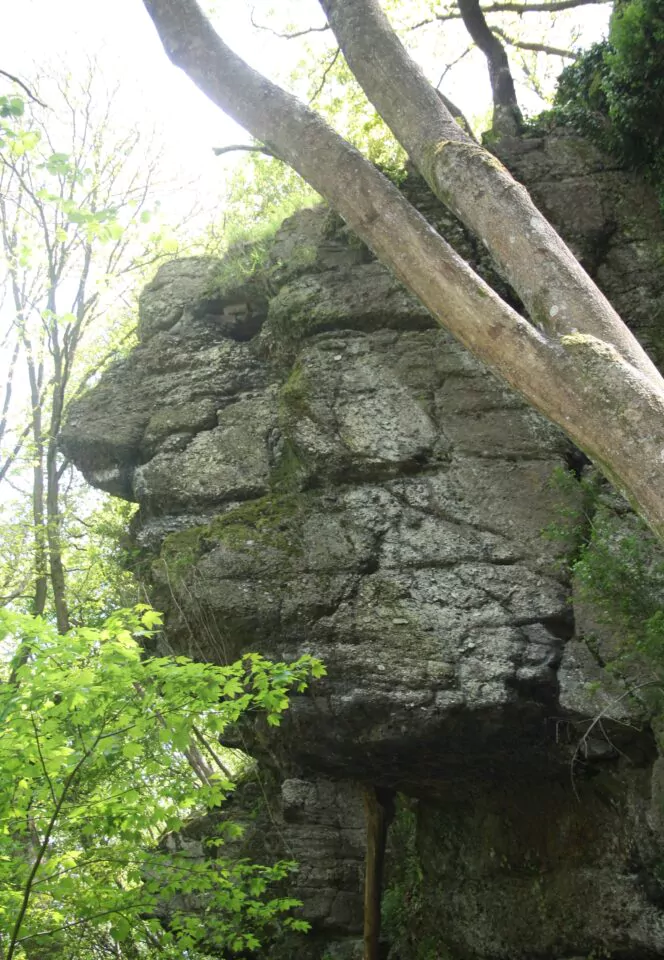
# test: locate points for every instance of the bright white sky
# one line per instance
(121, 36)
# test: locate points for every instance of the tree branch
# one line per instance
(547, 6)
(287, 36)
(509, 6)
(535, 47)
(24, 87)
(576, 359)
(250, 147)
(326, 72)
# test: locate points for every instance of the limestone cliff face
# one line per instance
(321, 469)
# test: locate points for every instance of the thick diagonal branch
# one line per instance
(557, 293)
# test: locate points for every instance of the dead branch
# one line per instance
(287, 36)
(326, 73)
(449, 66)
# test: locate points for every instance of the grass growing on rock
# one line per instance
(617, 567)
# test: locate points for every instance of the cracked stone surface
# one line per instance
(320, 468)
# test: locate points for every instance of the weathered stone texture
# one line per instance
(321, 469)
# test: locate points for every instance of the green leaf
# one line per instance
(132, 750)
(121, 928)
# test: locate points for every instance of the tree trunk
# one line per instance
(53, 528)
(38, 511)
(53, 519)
(506, 114)
(578, 364)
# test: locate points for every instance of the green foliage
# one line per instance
(96, 780)
(574, 511)
(401, 899)
(100, 557)
(617, 566)
(408, 905)
(11, 107)
(614, 93)
(620, 570)
(260, 195)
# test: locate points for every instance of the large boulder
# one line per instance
(322, 469)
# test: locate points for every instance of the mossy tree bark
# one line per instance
(574, 360)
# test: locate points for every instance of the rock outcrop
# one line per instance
(322, 469)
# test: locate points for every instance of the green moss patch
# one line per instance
(270, 522)
(264, 522)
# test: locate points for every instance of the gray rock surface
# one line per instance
(321, 469)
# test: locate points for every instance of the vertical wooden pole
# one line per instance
(379, 811)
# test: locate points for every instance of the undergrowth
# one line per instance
(617, 566)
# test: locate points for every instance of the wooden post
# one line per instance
(379, 811)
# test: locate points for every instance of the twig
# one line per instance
(325, 75)
(287, 36)
(24, 87)
(597, 722)
(448, 67)
(42, 761)
(115, 911)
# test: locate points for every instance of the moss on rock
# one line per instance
(263, 522)
(270, 521)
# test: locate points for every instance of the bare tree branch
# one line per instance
(509, 6)
(326, 72)
(24, 87)
(8, 388)
(535, 47)
(547, 6)
(287, 36)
